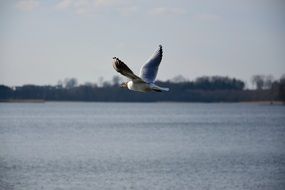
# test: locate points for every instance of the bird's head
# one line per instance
(116, 61)
(124, 85)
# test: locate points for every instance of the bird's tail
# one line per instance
(158, 88)
(164, 89)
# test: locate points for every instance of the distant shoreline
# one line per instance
(47, 101)
(23, 101)
(204, 89)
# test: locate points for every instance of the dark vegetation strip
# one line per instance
(203, 89)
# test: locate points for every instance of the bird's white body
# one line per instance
(148, 72)
(138, 86)
(144, 87)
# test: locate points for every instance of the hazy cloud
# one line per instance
(167, 11)
(27, 5)
(63, 4)
(84, 7)
(207, 17)
(106, 2)
(90, 7)
(80, 7)
(128, 11)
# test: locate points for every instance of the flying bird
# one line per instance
(145, 81)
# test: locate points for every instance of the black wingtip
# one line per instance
(160, 49)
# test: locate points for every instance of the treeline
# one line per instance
(203, 89)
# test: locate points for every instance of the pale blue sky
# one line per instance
(42, 41)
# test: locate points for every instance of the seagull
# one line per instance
(145, 81)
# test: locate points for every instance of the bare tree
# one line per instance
(106, 84)
(178, 79)
(282, 88)
(268, 81)
(100, 81)
(116, 80)
(59, 84)
(70, 82)
(258, 81)
(90, 84)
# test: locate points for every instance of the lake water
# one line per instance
(89, 146)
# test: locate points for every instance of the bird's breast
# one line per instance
(141, 87)
(130, 85)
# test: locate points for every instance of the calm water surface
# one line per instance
(82, 146)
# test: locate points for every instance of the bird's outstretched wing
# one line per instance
(122, 68)
(149, 70)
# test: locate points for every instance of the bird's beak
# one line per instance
(123, 85)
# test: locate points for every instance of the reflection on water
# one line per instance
(141, 146)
